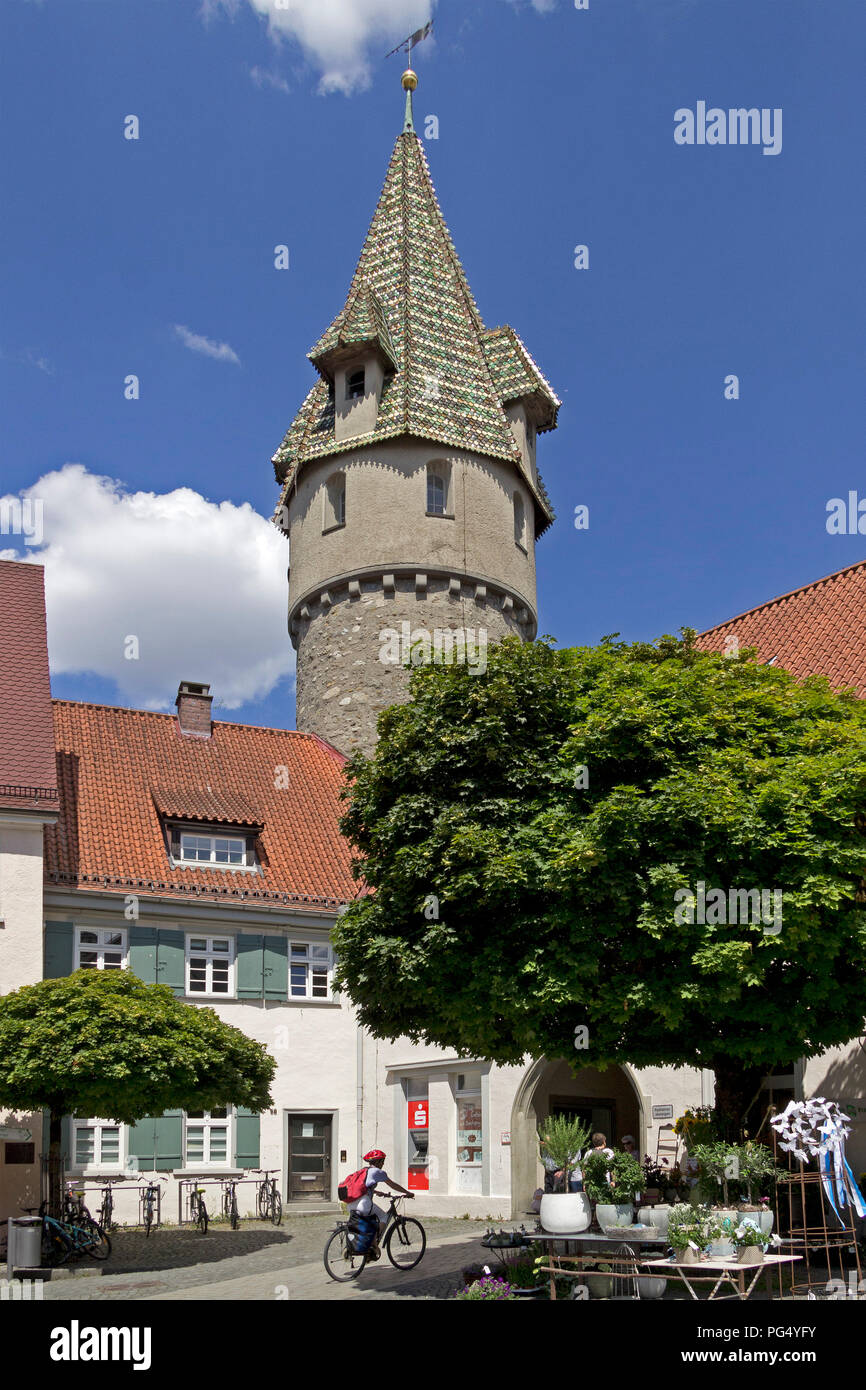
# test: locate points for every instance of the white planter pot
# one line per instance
(687, 1256)
(720, 1249)
(622, 1214)
(650, 1287)
(657, 1216)
(565, 1213)
(599, 1285)
(762, 1219)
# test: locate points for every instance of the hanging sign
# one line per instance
(15, 1136)
(418, 1114)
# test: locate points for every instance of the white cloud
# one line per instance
(339, 37)
(29, 357)
(263, 78)
(208, 347)
(201, 585)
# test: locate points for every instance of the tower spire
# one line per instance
(410, 82)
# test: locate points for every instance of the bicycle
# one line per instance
(105, 1212)
(269, 1203)
(403, 1238)
(63, 1240)
(149, 1200)
(198, 1210)
(230, 1202)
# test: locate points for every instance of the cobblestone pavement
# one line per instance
(261, 1261)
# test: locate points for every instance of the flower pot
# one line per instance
(610, 1214)
(687, 1256)
(657, 1216)
(750, 1255)
(565, 1213)
(599, 1285)
(720, 1249)
(649, 1287)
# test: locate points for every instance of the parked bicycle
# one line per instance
(64, 1240)
(269, 1203)
(198, 1210)
(230, 1202)
(403, 1238)
(150, 1206)
(105, 1211)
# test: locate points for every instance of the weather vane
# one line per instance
(409, 79)
(409, 44)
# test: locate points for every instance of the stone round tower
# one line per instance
(410, 491)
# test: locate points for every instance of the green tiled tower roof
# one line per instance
(447, 376)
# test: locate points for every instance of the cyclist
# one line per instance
(366, 1207)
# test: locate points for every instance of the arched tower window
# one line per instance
(519, 521)
(335, 502)
(355, 384)
(437, 488)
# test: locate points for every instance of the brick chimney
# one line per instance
(193, 709)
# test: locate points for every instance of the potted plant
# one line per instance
(758, 1171)
(691, 1229)
(564, 1213)
(719, 1174)
(750, 1243)
(612, 1184)
(522, 1273)
(490, 1289)
(656, 1182)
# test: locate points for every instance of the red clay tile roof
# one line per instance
(28, 780)
(110, 836)
(819, 629)
(209, 804)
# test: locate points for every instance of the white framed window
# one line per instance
(210, 965)
(212, 849)
(437, 488)
(100, 949)
(206, 1141)
(310, 970)
(96, 1144)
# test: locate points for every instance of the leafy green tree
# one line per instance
(524, 834)
(103, 1043)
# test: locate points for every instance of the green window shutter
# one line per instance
(276, 967)
(169, 1140)
(142, 953)
(247, 1132)
(250, 966)
(58, 950)
(141, 1144)
(171, 960)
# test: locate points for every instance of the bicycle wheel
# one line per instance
(276, 1208)
(55, 1248)
(93, 1240)
(262, 1202)
(202, 1218)
(406, 1242)
(341, 1261)
(234, 1218)
(148, 1215)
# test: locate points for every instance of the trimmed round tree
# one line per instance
(103, 1043)
(644, 852)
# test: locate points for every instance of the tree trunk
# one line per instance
(55, 1165)
(737, 1088)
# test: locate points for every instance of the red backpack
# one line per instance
(353, 1187)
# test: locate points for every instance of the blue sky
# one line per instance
(555, 129)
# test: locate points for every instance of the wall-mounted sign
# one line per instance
(418, 1114)
(663, 1112)
(14, 1135)
(506, 1138)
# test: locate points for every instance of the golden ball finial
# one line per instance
(409, 80)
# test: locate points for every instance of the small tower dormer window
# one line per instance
(355, 384)
(334, 502)
(519, 521)
(437, 488)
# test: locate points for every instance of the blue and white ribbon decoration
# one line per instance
(818, 1129)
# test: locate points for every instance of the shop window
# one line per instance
(470, 1138)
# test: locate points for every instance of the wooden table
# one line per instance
(728, 1267)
